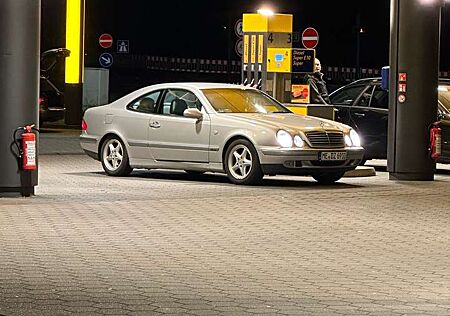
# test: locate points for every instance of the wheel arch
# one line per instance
(231, 140)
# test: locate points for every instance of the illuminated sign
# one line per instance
(303, 60)
(75, 41)
(253, 49)
(279, 59)
(246, 44)
(300, 93)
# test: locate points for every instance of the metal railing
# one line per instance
(220, 66)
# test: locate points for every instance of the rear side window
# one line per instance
(348, 95)
(146, 104)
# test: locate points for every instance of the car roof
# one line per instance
(378, 79)
(199, 85)
(179, 85)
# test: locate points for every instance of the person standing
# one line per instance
(317, 86)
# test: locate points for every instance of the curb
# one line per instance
(361, 171)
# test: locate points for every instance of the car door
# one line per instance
(343, 99)
(174, 137)
(135, 122)
(369, 117)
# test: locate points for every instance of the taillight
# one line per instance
(41, 101)
(84, 125)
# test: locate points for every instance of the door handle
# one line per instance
(359, 114)
(155, 125)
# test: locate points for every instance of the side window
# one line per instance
(364, 98)
(347, 96)
(177, 100)
(380, 98)
(146, 103)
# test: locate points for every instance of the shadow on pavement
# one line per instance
(216, 178)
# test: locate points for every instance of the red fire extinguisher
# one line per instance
(27, 147)
(435, 142)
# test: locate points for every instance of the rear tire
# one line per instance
(242, 164)
(328, 177)
(114, 157)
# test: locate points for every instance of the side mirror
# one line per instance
(193, 113)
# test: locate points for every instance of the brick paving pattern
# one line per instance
(165, 243)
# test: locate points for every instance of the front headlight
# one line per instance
(348, 141)
(284, 139)
(356, 141)
(298, 141)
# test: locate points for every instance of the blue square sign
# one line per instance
(123, 46)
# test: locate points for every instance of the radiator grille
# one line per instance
(319, 139)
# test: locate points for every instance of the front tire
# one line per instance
(242, 163)
(328, 177)
(114, 156)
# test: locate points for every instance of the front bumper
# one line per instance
(306, 161)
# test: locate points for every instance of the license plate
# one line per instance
(333, 155)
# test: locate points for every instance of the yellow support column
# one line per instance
(74, 76)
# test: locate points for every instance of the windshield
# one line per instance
(444, 95)
(226, 100)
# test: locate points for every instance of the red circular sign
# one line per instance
(310, 38)
(105, 40)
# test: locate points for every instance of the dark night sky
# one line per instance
(195, 28)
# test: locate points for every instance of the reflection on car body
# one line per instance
(200, 127)
(364, 105)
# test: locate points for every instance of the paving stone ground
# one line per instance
(165, 243)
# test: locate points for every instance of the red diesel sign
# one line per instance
(105, 40)
(310, 38)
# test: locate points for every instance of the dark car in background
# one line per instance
(51, 99)
(364, 105)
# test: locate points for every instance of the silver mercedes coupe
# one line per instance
(207, 127)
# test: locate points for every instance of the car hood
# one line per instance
(289, 121)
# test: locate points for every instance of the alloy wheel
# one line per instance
(240, 162)
(113, 154)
